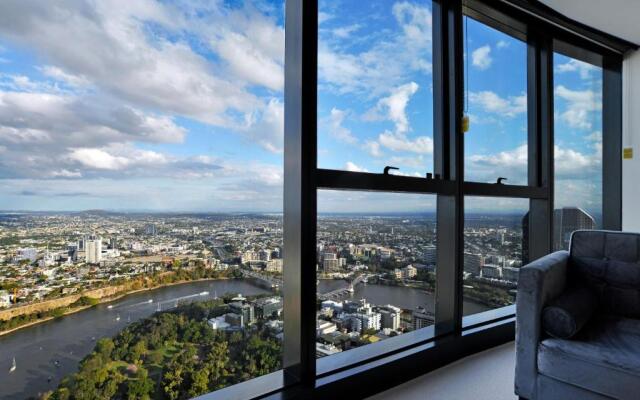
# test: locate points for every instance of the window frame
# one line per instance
(453, 336)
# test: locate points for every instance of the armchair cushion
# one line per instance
(602, 358)
(608, 263)
(567, 314)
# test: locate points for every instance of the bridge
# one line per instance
(275, 283)
(339, 293)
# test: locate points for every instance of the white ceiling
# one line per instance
(617, 17)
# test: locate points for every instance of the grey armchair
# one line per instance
(602, 361)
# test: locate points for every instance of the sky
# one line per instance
(178, 105)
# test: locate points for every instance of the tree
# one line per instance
(199, 382)
(141, 387)
(105, 347)
(137, 351)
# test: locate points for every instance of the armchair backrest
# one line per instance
(609, 263)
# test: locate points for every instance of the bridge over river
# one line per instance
(276, 283)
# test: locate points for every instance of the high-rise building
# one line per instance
(430, 255)
(566, 220)
(422, 318)
(390, 317)
(72, 251)
(472, 263)
(150, 229)
(93, 251)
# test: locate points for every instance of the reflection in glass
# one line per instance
(577, 148)
(495, 242)
(376, 267)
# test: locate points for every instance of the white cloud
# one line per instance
(373, 148)
(266, 126)
(350, 166)
(502, 44)
(493, 103)
(393, 107)
(569, 164)
(584, 69)
(579, 105)
(337, 130)
(400, 142)
(344, 32)
(59, 74)
(384, 61)
(481, 57)
(98, 159)
(114, 52)
(253, 46)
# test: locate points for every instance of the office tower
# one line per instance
(566, 220)
(72, 252)
(113, 243)
(422, 318)
(93, 251)
(150, 229)
(430, 255)
(472, 263)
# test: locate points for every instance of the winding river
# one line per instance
(47, 352)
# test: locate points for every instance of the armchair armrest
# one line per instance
(539, 282)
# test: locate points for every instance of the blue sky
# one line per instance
(178, 105)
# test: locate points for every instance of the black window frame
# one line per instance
(452, 337)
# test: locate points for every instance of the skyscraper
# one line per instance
(93, 251)
(565, 221)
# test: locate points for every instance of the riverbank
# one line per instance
(49, 351)
(105, 300)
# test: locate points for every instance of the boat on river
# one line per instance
(13, 365)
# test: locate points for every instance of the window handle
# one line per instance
(499, 182)
(387, 168)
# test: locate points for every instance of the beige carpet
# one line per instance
(484, 376)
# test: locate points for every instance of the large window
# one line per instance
(375, 86)
(141, 193)
(376, 267)
(577, 148)
(496, 104)
(495, 231)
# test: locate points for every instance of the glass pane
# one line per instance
(130, 220)
(376, 267)
(375, 99)
(577, 148)
(494, 237)
(496, 103)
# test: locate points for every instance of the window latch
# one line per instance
(387, 168)
(499, 182)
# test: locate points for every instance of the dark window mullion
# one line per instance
(347, 180)
(612, 143)
(503, 190)
(299, 360)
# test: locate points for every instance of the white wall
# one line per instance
(631, 138)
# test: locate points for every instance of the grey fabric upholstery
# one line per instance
(569, 312)
(551, 389)
(539, 282)
(609, 263)
(603, 360)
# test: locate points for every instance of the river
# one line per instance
(69, 339)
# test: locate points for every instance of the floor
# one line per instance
(484, 376)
